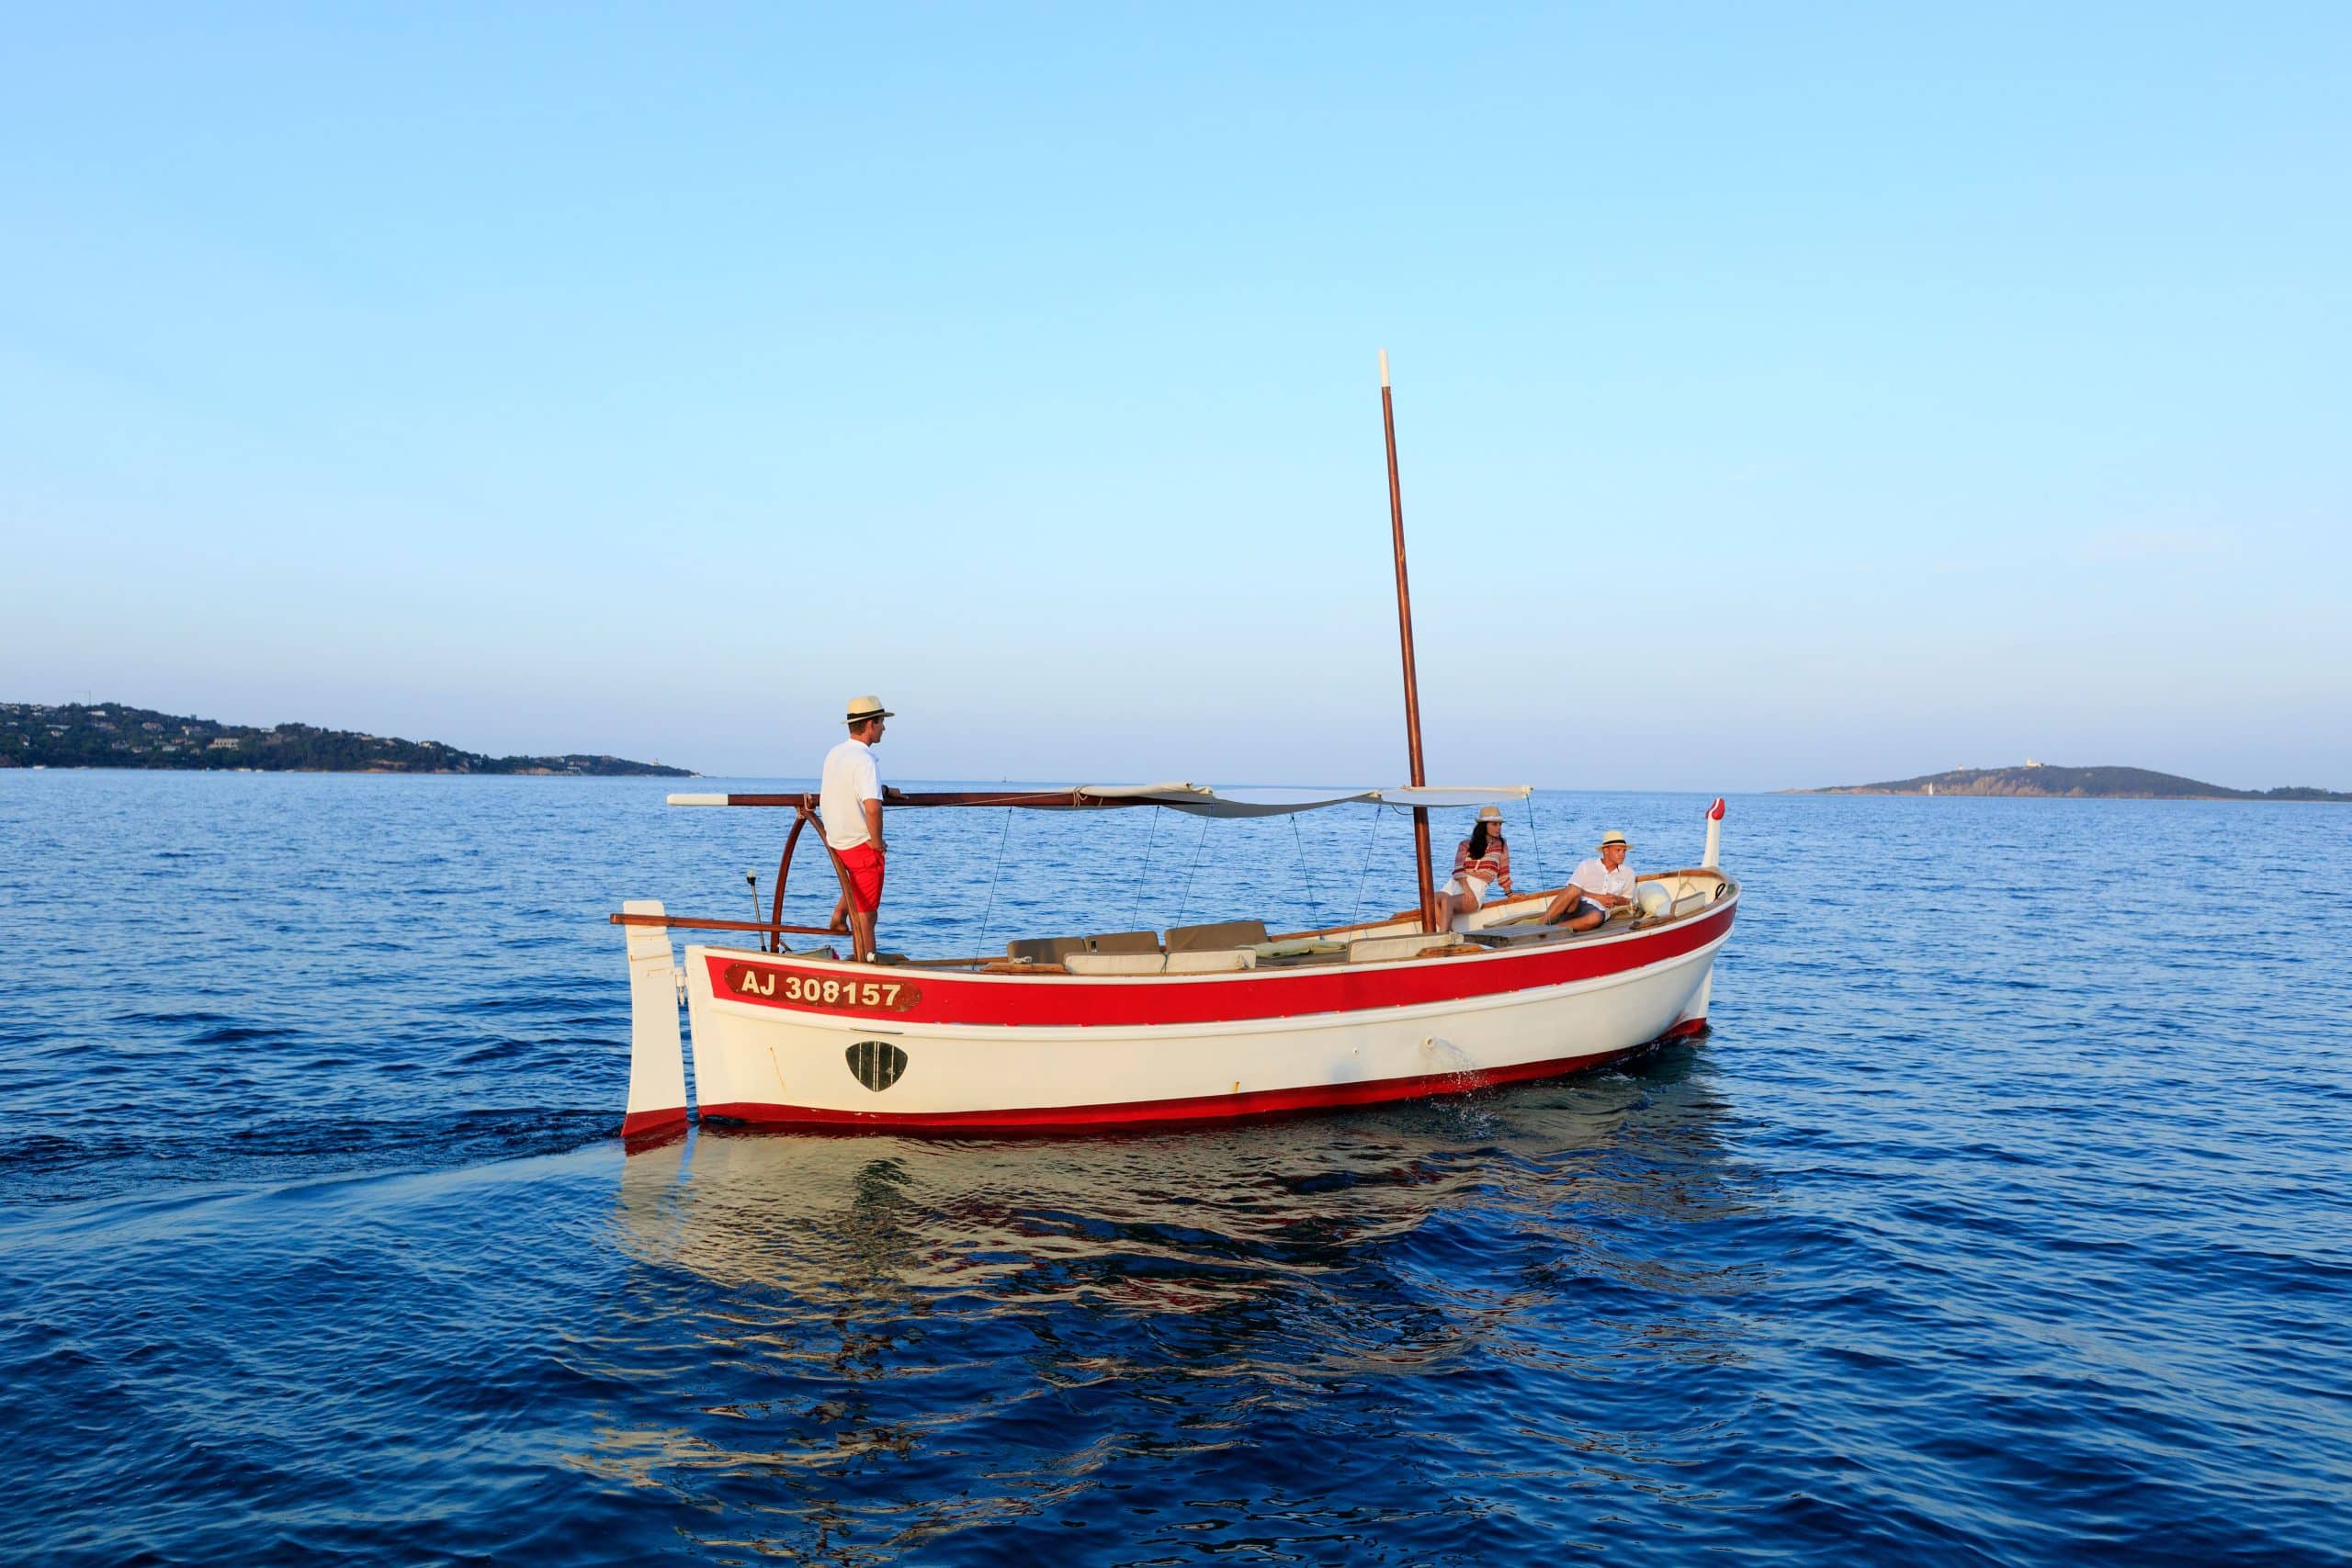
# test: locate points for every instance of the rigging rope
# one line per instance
(990, 911)
(1187, 901)
(1304, 873)
(1534, 850)
(1137, 913)
(1355, 910)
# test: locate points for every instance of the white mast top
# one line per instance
(1383, 367)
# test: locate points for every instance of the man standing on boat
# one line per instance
(1600, 886)
(850, 802)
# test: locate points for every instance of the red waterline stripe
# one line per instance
(1196, 1110)
(637, 1121)
(1053, 1001)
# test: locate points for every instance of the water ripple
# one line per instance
(1999, 1222)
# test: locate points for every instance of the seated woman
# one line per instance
(1600, 886)
(1480, 861)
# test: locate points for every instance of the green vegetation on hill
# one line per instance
(110, 735)
(2048, 781)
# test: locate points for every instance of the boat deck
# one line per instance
(1229, 946)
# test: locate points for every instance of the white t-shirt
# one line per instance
(850, 780)
(1595, 877)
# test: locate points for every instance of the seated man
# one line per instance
(1599, 887)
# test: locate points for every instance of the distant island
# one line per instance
(113, 735)
(2049, 781)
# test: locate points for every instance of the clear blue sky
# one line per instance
(1787, 395)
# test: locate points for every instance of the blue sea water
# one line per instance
(2002, 1219)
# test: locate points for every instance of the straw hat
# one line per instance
(863, 709)
(1613, 837)
(1491, 814)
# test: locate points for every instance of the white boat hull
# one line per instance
(1065, 1053)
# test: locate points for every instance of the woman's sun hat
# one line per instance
(1491, 814)
(1614, 837)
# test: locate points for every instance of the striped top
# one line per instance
(1489, 868)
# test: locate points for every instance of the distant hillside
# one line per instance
(2049, 781)
(110, 735)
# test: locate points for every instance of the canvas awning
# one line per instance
(1198, 800)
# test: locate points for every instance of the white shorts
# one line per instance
(1477, 884)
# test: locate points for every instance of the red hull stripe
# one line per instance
(1055, 1001)
(637, 1121)
(1176, 1113)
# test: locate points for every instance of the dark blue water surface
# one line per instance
(2003, 1218)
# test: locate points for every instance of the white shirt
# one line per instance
(1595, 877)
(850, 780)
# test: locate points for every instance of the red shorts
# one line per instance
(865, 863)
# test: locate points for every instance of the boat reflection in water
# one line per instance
(849, 1345)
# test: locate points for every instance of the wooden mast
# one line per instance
(1405, 637)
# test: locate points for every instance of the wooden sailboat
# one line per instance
(1198, 1023)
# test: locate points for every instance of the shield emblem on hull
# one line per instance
(877, 1063)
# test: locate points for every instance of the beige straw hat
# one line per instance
(1613, 837)
(863, 709)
